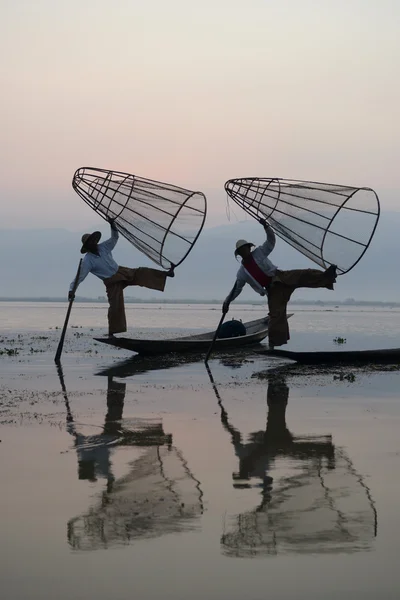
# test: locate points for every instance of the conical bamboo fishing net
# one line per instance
(159, 496)
(330, 224)
(322, 509)
(161, 220)
(312, 500)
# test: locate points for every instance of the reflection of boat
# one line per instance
(312, 500)
(159, 495)
(256, 331)
(380, 356)
(139, 364)
(142, 364)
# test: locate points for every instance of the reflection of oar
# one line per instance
(219, 324)
(213, 383)
(70, 418)
(235, 434)
(61, 342)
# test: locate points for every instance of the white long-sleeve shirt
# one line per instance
(102, 265)
(260, 255)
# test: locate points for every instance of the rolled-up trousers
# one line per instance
(115, 285)
(279, 291)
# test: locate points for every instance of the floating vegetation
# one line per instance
(342, 377)
(9, 352)
(339, 340)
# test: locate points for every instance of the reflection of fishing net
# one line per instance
(330, 224)
(161, 220)
(158, 497)
(322, 509)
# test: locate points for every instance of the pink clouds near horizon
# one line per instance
(195, 94)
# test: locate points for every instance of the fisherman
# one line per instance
(99, 261)
(265, 278)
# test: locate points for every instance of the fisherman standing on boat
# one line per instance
(100, 262)
(265, 278)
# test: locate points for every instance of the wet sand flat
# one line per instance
(143, 478)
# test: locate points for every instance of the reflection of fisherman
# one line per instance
(99, 261)
(159, 494)
(321, 505)
(265, 278)
(256, 457)
(94, 451)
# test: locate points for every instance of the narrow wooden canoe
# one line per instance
(256, 331)
(380, 356)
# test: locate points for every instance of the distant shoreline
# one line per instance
(128, 300)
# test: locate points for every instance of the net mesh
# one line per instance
(311, 498)
(161, 220)
(321, 508)
(330, 224)
(159, 496)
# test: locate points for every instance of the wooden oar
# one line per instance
(61, 342)
(219, 325)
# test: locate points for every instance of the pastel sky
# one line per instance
(195, 93)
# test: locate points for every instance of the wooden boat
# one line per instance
(379, 356)
(256, 331)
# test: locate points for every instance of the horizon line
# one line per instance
(133, 300)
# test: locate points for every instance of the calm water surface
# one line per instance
(142, 479)
(360, 326)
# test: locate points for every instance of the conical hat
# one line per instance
(240, 244)
(88, 237)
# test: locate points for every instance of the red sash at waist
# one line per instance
(252, 267)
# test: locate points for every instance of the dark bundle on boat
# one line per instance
(232, 329)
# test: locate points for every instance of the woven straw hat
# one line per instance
(88, 237)
(240, 244)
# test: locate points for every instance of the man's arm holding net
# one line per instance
(270, 242)
(111, 242)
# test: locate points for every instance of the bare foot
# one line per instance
(331, 273)
(171, 272)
